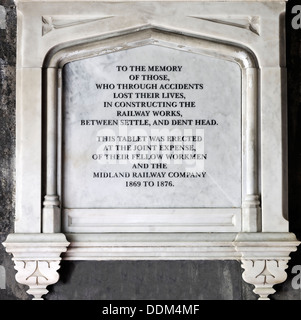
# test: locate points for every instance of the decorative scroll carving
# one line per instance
(249, 23)
(264, 274)
(37, 259)
(264, 258)
(37, 275)
(50, 23)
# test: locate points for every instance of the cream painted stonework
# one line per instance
(232, 44)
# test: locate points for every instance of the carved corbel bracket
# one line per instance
(264, 258)
(264, 274)
(37, 259)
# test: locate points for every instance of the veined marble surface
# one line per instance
(215, 99)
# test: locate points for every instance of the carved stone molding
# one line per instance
(250, 23)
(59, 22)
(264, 256)
(37, 259)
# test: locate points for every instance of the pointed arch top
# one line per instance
(58, 56)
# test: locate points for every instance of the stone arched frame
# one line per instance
(64, 53)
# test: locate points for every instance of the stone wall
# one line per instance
(201, 280)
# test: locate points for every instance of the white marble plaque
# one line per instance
(152, 127)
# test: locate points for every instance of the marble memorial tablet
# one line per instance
(152, 127)
(146, 135)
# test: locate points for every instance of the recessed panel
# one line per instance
(152, 127)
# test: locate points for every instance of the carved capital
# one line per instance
(37, 259)
(264, 274)
(51, 201)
